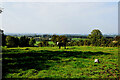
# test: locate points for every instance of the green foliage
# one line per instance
(43, 44)
(56, 38)
(81, 42)
(95, 37)
(87, 42)
(95, 34)
(51, 43)
(9, 41)
(40, 44)
(12, 41)
(117, 39)
(24, 41)
(32, 42)
(3, 40)
(63, 39)
(76, 43)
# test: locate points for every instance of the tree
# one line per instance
(95, 37)
(117, 38)
(60, 40)
(2, 38)
(32, 42)
(86, 42)
(56, 38)
(12, 41)
(81, 42)
(24, 41)
(16, 41)
(63, 39)
(103, 42)
(40, 44)
(43, 44)
(9, 41)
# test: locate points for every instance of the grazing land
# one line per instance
(51, 62)
(77, 39)
(49, 42)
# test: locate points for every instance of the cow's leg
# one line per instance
(59, 46)
(65, 46)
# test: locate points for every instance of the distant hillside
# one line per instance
(50, 35)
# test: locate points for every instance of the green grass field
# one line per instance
(77, 39)
(51, 62)
(37, 42)
(49, 42)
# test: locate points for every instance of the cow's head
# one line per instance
(57, 43)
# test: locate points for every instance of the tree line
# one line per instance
(97, 39)
(94, 39)
(23, 41)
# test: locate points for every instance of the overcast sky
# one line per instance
(60, 17)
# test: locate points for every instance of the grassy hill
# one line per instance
(51, 62)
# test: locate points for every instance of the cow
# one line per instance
(96, 61)
(61, 44)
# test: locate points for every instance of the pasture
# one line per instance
(77, 39)
(51, 62)
(49, 42)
